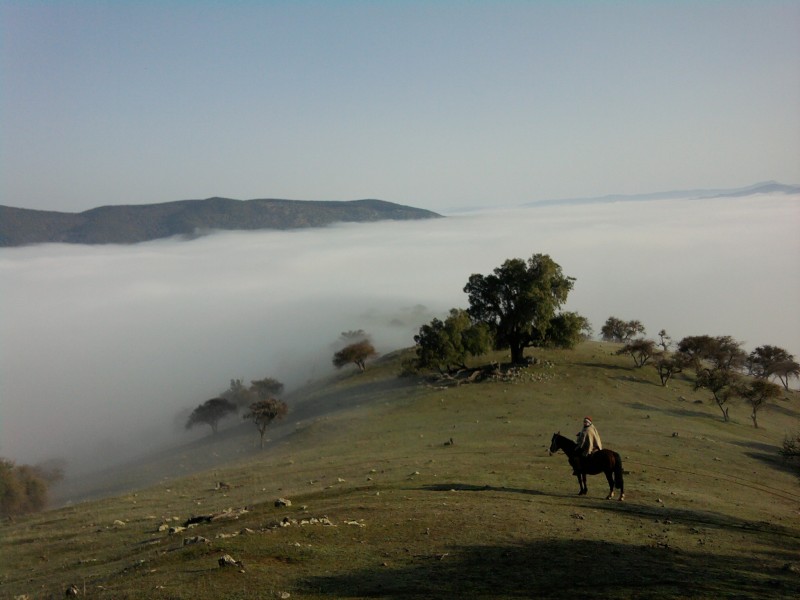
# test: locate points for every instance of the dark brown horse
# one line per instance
(602, 461)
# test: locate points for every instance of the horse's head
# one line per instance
(554, 442)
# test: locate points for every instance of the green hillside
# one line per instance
(408, 488)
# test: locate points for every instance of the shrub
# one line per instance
(22, 489)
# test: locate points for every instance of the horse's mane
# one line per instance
(566, 440)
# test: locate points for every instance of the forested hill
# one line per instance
(139, 223)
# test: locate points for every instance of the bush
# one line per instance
(791, 446)
(22, 489)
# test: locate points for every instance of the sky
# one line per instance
(441, 105)
(107, 348)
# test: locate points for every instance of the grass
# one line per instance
(383, 506)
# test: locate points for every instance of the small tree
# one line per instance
(761, 361)
(757, 393)
(445, 345)
(264, 412)
(785, 370)
(23, 489)
(617, 330)
(641, 351)
(717, 361)
(723, 385)
(356, 353)
(668, 365)
(265, 388)
(567, 330)
(239, 394)
(211, 412)
(664, 340)
(791, 448)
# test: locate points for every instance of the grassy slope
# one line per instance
(709, 513)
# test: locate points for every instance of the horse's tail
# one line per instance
(620, 485)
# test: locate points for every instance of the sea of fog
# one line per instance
(105, 349)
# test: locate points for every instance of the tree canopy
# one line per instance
(445, 345)
(211, 412)
(264, 412)
(519, 301)
(356, 353)
(617, 330)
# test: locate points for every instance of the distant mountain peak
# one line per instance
(764, 187)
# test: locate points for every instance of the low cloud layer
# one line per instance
(103, 346)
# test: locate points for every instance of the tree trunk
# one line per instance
(517, 352)
(755, 419)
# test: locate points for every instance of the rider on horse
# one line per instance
(587, 441)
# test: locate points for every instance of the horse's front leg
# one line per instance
(580, 485)
(582, 482)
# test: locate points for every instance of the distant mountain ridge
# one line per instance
(130, 224)
(765, 187)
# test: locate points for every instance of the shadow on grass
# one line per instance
(605, 367)
(675, 412)
(705, 519)
(466, 487)
(557, 568)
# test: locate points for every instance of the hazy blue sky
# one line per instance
(435, 104)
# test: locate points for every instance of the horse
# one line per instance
(603, 461)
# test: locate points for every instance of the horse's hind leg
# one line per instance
(610, 478)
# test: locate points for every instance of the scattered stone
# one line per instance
(791, 568)
(221, 485)
(119, 523)
(163, 527)
(226, 560)
(282, 502)
(176, 529)
(198, 539)
(674, 434)
(355, 523)
(340, 480)
(449, 442)
(578, 516)
(284, 595)
(72, 591)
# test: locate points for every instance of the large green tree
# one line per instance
(519, 301)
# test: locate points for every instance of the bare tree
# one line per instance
(664, 340)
